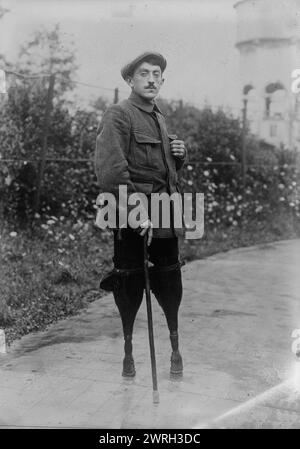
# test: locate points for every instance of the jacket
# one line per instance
(133, 149)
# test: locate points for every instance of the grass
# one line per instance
(43, 279)
(278, 227)
(54, 272)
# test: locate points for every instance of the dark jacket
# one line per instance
(133, 149)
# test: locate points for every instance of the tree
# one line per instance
(24, 111)
(47, 53)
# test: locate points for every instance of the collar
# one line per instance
(142, 104)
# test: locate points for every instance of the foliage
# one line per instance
(214, 168)
(46, 52)
(49, 275)
(23, 125)
(67, 186)
(214, 165)
(69, 189)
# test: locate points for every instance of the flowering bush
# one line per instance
(68, 187)
(214, 168)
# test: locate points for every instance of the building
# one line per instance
(268, 41)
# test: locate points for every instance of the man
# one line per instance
(134, 149)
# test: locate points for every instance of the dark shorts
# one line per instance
(128, 251)
(129, 255)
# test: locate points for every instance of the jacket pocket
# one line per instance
(145, 149)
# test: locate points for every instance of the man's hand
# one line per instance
(146, 226)
(178, 148)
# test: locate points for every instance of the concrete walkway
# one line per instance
(237, 317)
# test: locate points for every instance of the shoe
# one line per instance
(176, 365)
(128, 367)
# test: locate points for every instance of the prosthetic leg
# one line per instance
(128, 294)
(166, 285)
(127, 283)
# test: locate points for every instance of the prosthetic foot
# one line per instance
(128, 366)
(176, 370)
(128, 362)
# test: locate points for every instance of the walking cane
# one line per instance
(150, 322)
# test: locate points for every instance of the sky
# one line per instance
(197, 37)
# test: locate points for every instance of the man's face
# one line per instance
(146, 80)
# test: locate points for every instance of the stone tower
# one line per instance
(268, 40)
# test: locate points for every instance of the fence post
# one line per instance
(116, 96)
(45, 133)
(244, 159)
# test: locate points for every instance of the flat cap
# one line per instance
(129, 68)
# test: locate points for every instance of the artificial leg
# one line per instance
(167, 287)
(128, 298)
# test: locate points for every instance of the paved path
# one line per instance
(237, 317)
